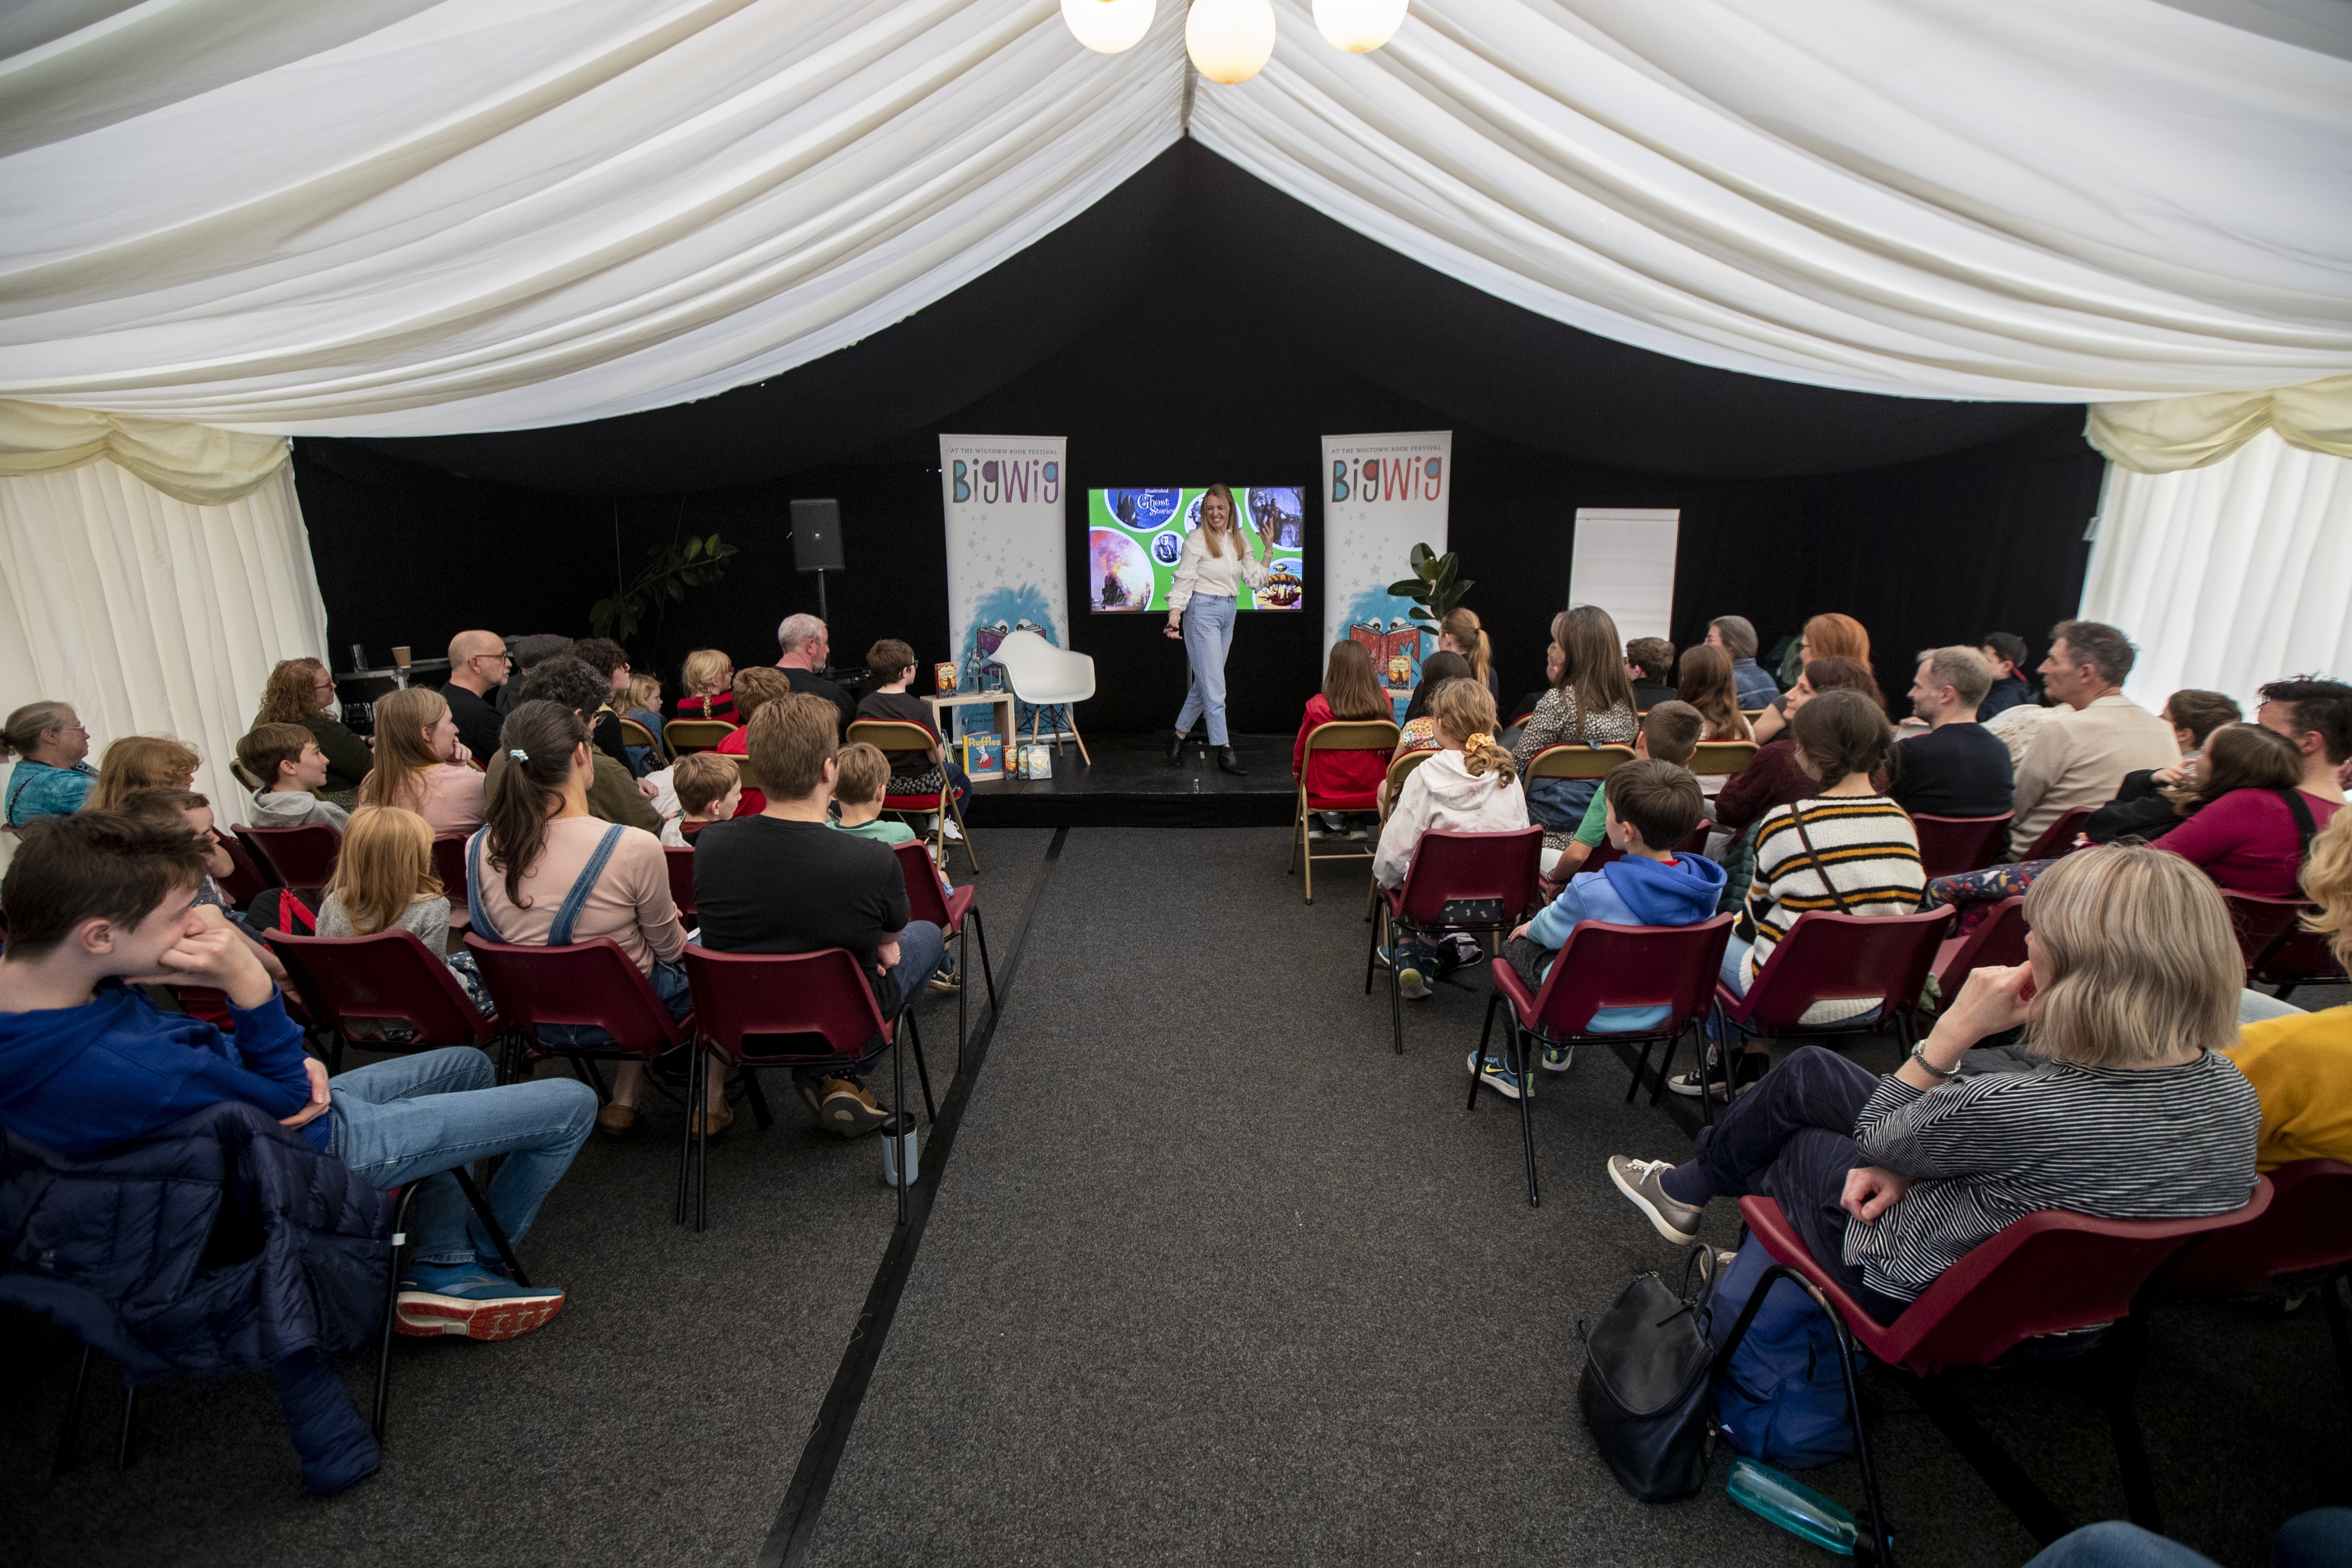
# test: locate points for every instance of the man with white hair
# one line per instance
(806, 648)
(1958, 768)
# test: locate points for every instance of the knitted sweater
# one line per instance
(1871, 855)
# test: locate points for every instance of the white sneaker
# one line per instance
(950, 832)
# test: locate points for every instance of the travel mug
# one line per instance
(898, 1149)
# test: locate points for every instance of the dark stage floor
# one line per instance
(1130, 785)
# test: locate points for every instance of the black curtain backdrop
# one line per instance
(1197, 325)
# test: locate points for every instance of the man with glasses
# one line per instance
(478, 666)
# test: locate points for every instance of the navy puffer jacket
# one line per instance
(220, 1246)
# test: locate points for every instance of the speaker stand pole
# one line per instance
(822, 614)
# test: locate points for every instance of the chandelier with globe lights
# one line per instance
(1231, 41)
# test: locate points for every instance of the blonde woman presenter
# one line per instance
(1217, 561)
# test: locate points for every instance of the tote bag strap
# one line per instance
(1821, 867)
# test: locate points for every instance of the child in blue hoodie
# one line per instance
(1650, 802)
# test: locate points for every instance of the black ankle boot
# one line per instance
(1176, 750)
(1228, 762)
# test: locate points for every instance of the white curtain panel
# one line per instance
(2227, 576)
(396, 216)
(151, 616)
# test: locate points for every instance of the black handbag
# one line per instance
(1644, 1393)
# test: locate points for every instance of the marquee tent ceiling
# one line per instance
(391, 217)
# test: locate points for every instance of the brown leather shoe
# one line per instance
(617, 1118)
(720, 1120)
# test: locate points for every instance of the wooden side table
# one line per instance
(999, 700)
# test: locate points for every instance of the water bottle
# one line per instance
(1794, 1507)
(898, 1149)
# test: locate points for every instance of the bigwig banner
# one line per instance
(1002, 496)
(1381, 496)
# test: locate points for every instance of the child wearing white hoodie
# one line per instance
(1469, 786)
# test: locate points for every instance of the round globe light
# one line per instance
(1230, 40)
(1358, 25)
(1107, 27)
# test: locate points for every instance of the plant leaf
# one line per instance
(1418, 614)
(1411, 588)
(1420, 557)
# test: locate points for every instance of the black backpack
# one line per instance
(1646, 1380)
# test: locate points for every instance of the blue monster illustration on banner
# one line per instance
(997, 617)
(1002, 500)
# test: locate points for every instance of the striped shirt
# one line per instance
(1869, 851)
(1985, 1152)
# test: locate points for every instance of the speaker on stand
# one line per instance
(816, 544)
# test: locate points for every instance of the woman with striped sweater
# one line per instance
(1844, 848)
(2128, 993)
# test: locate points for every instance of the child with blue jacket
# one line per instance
(1650, 802)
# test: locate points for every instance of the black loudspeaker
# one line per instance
(816, 535)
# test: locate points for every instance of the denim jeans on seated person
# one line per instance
(922, 948)
(411, 1118)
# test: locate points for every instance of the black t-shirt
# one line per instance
(817, 685)
(606, 732)
(1648, 694)
(477, 722)
(905, 707)
(764, 884)
(1960, 770)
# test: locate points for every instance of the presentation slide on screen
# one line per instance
(1135, 537)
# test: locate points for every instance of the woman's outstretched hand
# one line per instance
(1172, 630)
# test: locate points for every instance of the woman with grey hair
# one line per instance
(1735, 636)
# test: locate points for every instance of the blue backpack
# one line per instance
(1781, 1402)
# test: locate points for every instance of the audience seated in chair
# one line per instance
(2142, 809)
(861, 775)
(1467, 787)
(2301, 1063)
(418, 764)
(709, 785)
(50, 777)
(2004, 653)
(892, 665)
(185, 811)
(642, 702)
(142, 761)
(2317, 716)
(1650, 806)
(384, 881)
(2135, 1114)
(1351, 693)
(805, 648)
(613, 794)
(545, 871)
(299, 692)
(1957, 768)
(1772, 776)
(479, 668)
(1670, 733)
(1650, 666)
(1735, 636)
(610, 661)
(1420, 726)
(1707, 685)
(2092, 739)
(787, 881)
(1590, 702)
(754, 689)
(1843, 847)
(286, 757)
(710, 677)
(1460, 632)
(1831, 635)
(529, 653)
(87, 1062)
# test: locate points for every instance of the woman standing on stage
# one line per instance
(1216, 562)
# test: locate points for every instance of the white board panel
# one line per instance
(1624, 562)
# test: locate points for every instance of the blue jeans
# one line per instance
(2115, 1544)
(411, 1118)
(1208, 637)
(922, 948)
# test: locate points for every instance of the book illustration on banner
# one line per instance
(1136, 542)
(1395, 650)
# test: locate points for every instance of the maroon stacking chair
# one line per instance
(1691, 843)
(2307, 1231)
(2049, 1273)
(302, 858)
(1951, 844)
(1457, 871)
(354, 985)
(2058, 838)
(823, 994)
(1605, 965)
(1999, 938)
(2263, 920)
(954, 913)
(247, 878)
(2298, 957)
(581, 985)
(402, 1197)
(681, 880)
(1333, 736)
(895, 735)
(450, 867)
(1830, 957)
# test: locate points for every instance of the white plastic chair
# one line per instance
(1044, 677)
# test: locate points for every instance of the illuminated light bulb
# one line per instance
(1107, 27)
(1230, 40)
(1358, 25)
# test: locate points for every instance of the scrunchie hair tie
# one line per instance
(518, 753)
(1479, 742)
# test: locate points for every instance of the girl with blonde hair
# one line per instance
(384, 881)
(299, 691)
(142, 761)
(1460, 632)
(710, 677)
(1469, 786)
(2131, 1111)
(1209, 581)
(416, 766)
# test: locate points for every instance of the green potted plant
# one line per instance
(669, 571)
(1436, 585)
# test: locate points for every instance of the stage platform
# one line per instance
(1130, 785)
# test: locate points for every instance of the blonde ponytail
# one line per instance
(1465, 710)
(1469, 638)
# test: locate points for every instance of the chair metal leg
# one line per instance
(489, 1223)
(963, 993)
(970, 855)
(896, 1127)
(2331, 1301)
(585, 1071)
(2126, 1348)
(758, 1098)
(1372, 954)
(686, 1153)
(1667, 1068)
(701, 1125)
(1396, 996)
(1514, 1061)
(986, 973)
(70, 1437)
(1306, 846)
(922, 1073)
(130, 1417)
(391, 1309)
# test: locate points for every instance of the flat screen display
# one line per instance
(1135, 538)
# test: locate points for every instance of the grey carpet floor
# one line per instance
(656, 1421)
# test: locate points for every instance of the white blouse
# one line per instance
(1218, 576)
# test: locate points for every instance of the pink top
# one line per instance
(630, 903)
(452, 798)
(2246, 840)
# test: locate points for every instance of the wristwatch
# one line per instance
(1919, 1055)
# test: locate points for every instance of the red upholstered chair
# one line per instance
(2058, 838)
(2297, 958)
(302, 857)
(1606, 965)
(954, 913)
(2050, 1273)
(1449, 870)
(2307, 1230)
(582, 985)
(248, 878)
(1998, 940)
(681, 880)
(450, 867)
(1882, 960)
(893, 735)
(1377, 735)
(1951, 844)
(823, 995)
(2263, 920)
(385, 992)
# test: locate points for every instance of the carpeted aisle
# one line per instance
(1214, 1275)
